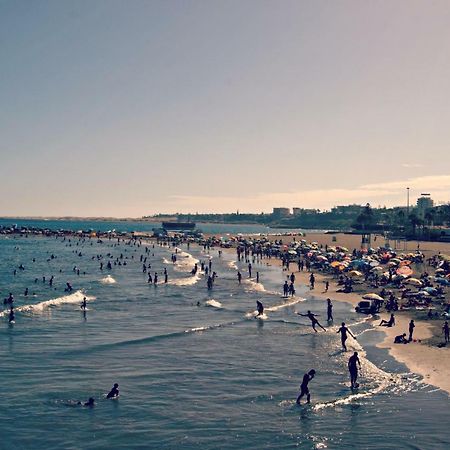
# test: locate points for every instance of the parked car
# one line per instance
(368, 307)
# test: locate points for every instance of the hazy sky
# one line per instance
(127, 108)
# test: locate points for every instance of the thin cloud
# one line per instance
(390, 193)
(412, 165)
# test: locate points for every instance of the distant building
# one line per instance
(424, 203)
(347, 209)
(281, 212)
(303, 211)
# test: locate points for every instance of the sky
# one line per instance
(130, 108)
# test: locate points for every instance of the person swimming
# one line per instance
(313, 319)
(90, 403)
(260, 308)
(114, 392)
(304, 386)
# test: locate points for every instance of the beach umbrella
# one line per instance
(372, 296)
(404, 271)
(430, 290)
(414, 282)
(321, 258)
(374, 263)
(343, 249)
(355, 273)
(377, 269)
(439, 270)
(335, 264)
(424, 293)
(442, 281)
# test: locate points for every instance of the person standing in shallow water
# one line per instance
(353, 364)
(344, 330)
(329, 310)
(304, 390)
(312, 318)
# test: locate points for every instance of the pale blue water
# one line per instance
(138, 226)
(190, 376)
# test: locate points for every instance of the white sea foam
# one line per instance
(292, 302)
(108, 280)
(185, 262)
(214, 303)
(233, 265)
(75, 298)
(188, 281)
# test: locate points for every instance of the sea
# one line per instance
(195, 368)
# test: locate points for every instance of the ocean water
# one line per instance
(195, 368)
(137, 226)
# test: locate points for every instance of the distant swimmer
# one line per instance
(388, 323)
(166, 276)
(344, 330)
(12, 317)
(68, 288)
(90, 403)
(260, 308)
(114, 392)
(304, 386)
(329, 310)
(353, 364)
(83, 304)
(312, 318)
(155, 279)
(9, 300)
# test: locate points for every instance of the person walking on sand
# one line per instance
(446, 331)
(312, 281)
(344, 330)
(411, 330)
(239, 277)
(249, 270)
(353, 364)
(304, 386)
(312, 318)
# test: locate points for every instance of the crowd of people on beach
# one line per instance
(381, 269)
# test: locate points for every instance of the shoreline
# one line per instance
(430, 362)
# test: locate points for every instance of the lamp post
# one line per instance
(407, 201)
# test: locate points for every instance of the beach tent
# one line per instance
(372, 296)
(355, 273)
(414, 282)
